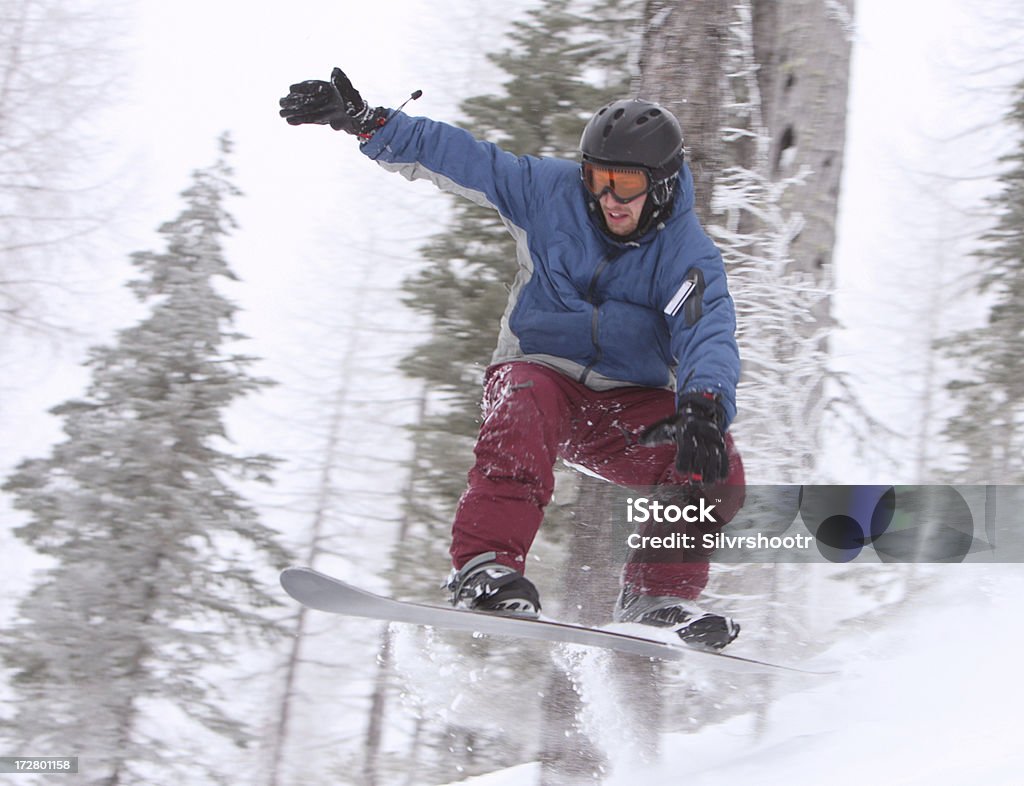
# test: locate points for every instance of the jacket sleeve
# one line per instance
(703, 326)
(422, 149)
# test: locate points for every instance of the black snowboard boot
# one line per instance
(690, 622)
(486, 585)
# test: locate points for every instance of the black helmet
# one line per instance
(634, 131)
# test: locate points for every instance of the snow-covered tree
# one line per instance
(782, 342)
(56, 72)
(567, 58)
(156, 558)
(760, 89)
(783, 360)
(989, 428)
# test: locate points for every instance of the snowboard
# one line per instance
(325, 593)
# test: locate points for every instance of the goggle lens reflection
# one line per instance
(624, 184)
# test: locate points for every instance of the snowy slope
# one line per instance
(930, 697)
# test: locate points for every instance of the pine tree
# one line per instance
(567, 59)
(155, 556)
(990, 426)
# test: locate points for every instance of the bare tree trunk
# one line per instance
(762, 85)
(803, 48)
(681, 67)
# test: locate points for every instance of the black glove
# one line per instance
(336, 103)
(697, 433)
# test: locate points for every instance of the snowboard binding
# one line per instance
(692, 624)
(483, 584)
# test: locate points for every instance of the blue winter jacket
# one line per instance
(655, 312)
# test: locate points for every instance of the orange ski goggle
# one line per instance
(624, 183)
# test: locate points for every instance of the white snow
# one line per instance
(931, 697)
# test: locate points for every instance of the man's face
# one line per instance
(621, 219)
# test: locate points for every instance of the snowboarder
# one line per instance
(616, 352)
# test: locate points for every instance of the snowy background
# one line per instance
(928, 698)
(932, 700)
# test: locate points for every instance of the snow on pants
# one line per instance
(534, 415)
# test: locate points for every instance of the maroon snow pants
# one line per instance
(533, 415)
